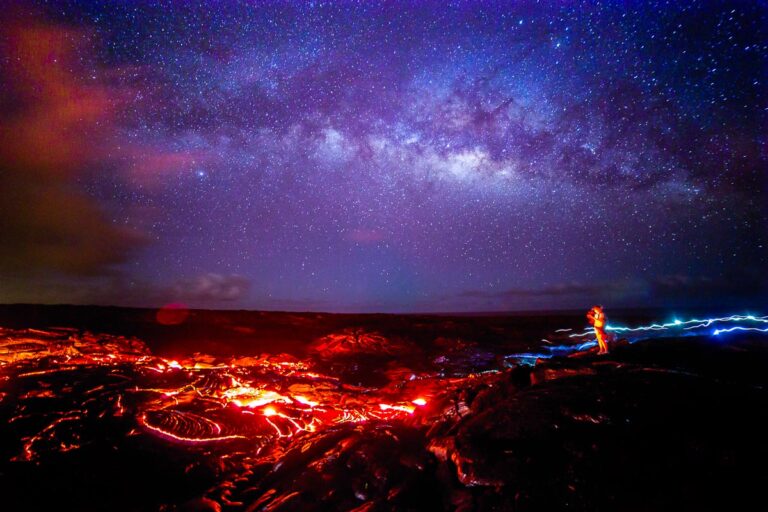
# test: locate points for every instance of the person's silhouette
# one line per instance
(596, 318)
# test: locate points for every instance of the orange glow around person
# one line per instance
(596, 318)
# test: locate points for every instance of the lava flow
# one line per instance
(255, 427)
(258, 400)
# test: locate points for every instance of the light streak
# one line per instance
(739, 328)
(694, 323)
(689, 326)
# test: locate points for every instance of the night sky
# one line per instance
(419, 156)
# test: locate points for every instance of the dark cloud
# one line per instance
(558, 290)
(575, 291)
(751, 284)
(48, 140)
(211, 288)
(208, 290)
(669, 289)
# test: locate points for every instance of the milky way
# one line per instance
(406, 157)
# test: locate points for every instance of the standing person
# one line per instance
(596, 318)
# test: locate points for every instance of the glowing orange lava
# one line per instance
(197, 400)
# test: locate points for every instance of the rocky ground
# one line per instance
(658, 425)
(96, 422)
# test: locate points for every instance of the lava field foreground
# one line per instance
(675, 419)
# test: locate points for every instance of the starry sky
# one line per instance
(399, 156)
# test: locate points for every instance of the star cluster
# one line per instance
(425, 156)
